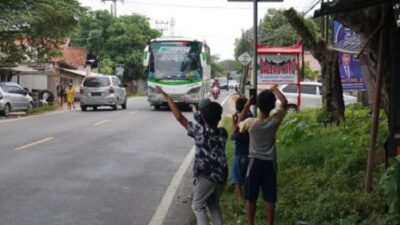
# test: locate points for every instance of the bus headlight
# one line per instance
(194, 91)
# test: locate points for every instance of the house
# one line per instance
(70, 67)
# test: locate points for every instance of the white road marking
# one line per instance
(161, 212)
(226, 98)
(34, 143)
(100, 123)
(56, 112)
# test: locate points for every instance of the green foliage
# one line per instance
(275, 31)
(122, 41)
(216, 68)
(321, 174)
(230, 65)
(107, 66)
(309, 73)
(42, 109)
(391, 186)
(35, 29)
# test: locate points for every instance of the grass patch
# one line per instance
(42, 109)
(138, 94)
(321, 170)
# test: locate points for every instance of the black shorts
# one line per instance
(261, 173)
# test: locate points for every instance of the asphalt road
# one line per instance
(92, 168)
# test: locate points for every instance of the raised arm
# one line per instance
(274, 88)
(177, 113)
(246, 109)
(235, 120)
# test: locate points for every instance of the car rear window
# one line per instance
(96, 82)
(308, 89)
(291, 88)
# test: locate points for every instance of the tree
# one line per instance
(122, 41)
(128, 36)
(216, 68)
(276, 31)
(92, 31)
(365, 22)
(309, 73)
(230, 65)
(333, 102)
(35, 29)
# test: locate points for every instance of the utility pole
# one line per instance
(115, 6)
(255, 37)
(172, 26)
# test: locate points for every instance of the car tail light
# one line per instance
(111, 90)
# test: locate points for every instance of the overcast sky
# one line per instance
(218, 22)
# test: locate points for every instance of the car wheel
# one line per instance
(115, 107)
(292, 108)
(157, 107)
(94, 108)
(124, 105)
(83, 108)
(6, 110)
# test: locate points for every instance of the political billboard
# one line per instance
(347, 43)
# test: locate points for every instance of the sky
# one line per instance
(219, 22)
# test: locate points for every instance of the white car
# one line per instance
(102, 90)
(14, 98)
(233, 84)
(311, 96)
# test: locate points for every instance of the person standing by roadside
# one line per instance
(210, 168)
(60, 94)
(70, 96)
(240, 160)
(262, 168)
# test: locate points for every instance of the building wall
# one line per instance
(36, 81)
(314, 64)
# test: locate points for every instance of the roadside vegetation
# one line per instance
(138, 94)
(321, 171)
(41, 109)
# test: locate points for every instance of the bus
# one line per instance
(181, 66)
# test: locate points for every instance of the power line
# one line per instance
(194, 6)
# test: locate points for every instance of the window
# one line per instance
(5, 88)
(291, 88)
(309, 89)
(96, 82)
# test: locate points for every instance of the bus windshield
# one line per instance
(175, 60)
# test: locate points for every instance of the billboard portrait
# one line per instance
(344, 41)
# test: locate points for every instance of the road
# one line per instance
(91, 168)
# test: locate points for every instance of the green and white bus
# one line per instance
(181, 66)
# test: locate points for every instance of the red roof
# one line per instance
(295, 49)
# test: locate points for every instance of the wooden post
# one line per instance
(375, 117)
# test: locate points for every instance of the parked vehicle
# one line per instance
(311, 95)
(14, 98)
(102, 90)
